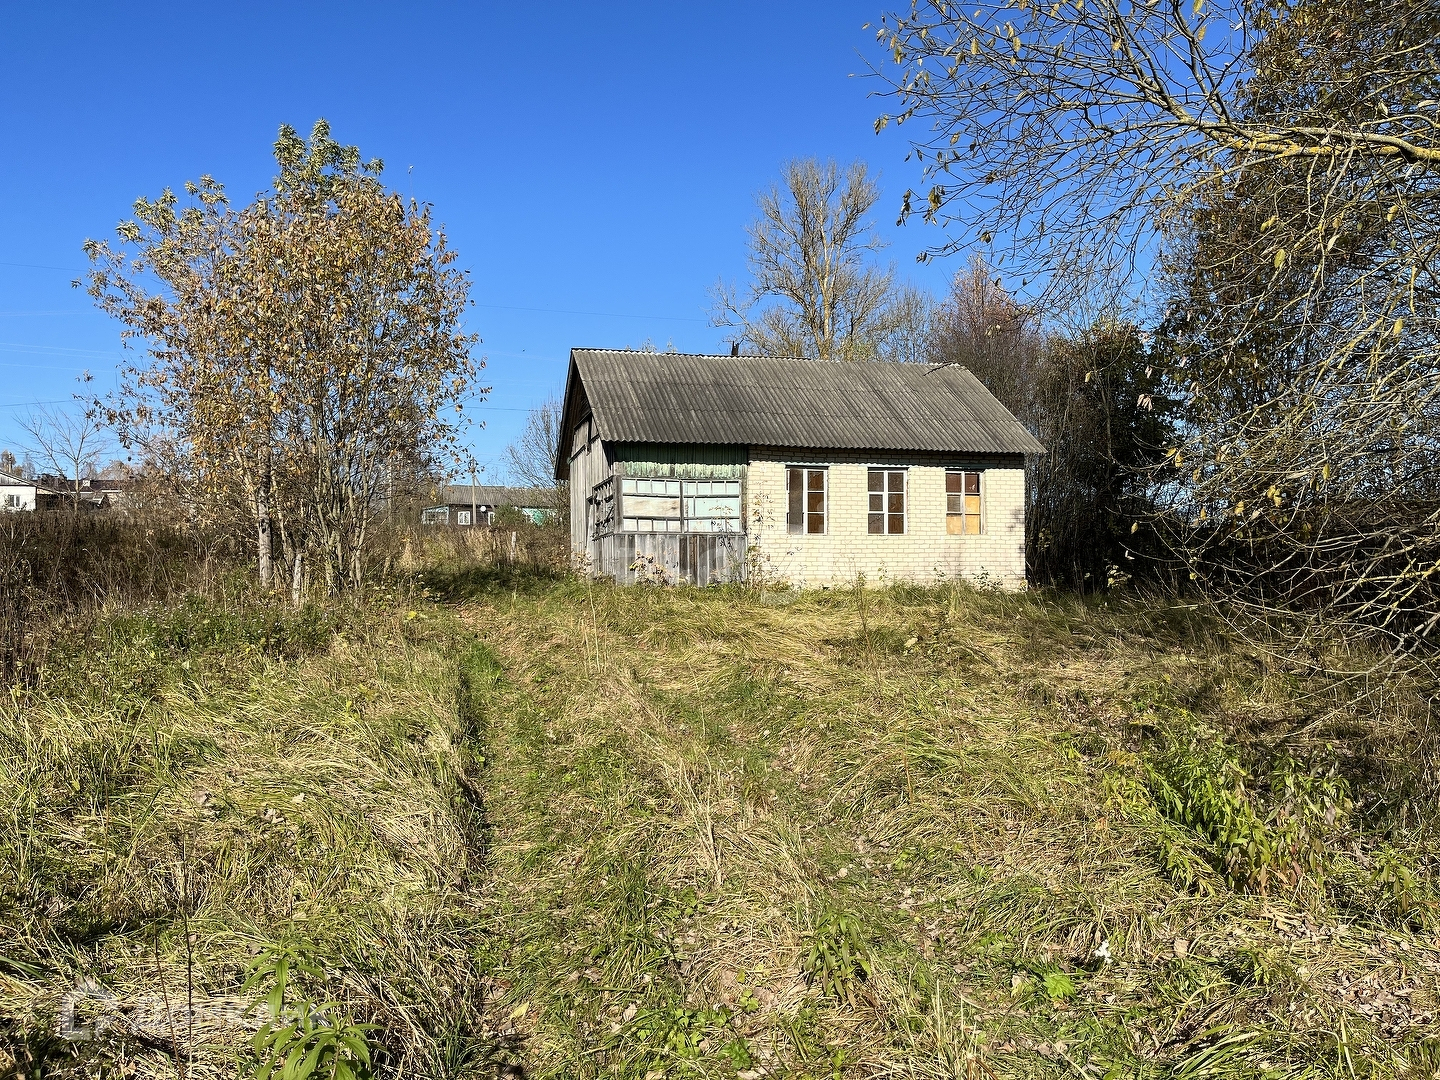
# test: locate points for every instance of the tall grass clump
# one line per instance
(194, 780)
(59, 568)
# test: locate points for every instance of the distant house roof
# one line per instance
(788, 402)
(496, 495)
(42, 486)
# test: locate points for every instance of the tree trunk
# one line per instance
(262, 524)
(297, 579)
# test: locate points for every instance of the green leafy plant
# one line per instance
(737, 1052)
(677, 1032)
(1252, 965)
(1401, 890)
(1058, 985)
(839, 956)
(300, 1039)
(1258, 837)
(747, 1001)
(317, 1041)
(274, 970)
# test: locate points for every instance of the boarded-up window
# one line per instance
(887, 500)
(807, 500)
(582, 437)
(664, 505)
(962, 502)
(651, 505)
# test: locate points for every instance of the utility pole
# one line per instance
(473, 520)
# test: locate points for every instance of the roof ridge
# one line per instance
(703, 355)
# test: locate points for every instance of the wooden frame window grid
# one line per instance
(711, 505)
(650, 505)
(963, 502)
(807, 499)
(887, 491)
(663, 504)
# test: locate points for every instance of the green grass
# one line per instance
(914, 833)
(598, 832)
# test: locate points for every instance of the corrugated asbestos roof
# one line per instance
(492, 495)
(787, 402)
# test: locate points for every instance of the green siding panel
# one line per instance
(691, 461)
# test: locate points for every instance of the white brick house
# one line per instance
(700, 468)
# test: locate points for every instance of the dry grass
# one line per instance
(689, 786)
(214, 784)
(584, 831)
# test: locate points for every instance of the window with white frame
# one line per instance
(462, 517)
(887, 500)
(710, 505)
(962, 502)
(807, 497)
(666, 505)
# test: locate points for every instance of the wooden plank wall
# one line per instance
(588, 467)
(673, 558)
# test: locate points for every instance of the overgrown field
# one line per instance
(202, 797)
(531, 825)
(939, 833)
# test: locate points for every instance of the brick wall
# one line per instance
(924, 553)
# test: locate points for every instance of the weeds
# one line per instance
(904, 837)
(312, 778)
(839, 956)
(1258, 842)
(590, 832)
(1404, 895)
(300, 1039)
(311, 1040)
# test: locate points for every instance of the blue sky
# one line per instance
(594, 164)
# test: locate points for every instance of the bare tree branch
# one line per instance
(68, 442)
(812, 293)
(1272, 170)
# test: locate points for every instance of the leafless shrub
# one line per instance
(530, 459)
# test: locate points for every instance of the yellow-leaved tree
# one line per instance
(301, 350)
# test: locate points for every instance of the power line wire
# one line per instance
(601, 314)
(498, 307)
(42, 266)
(70, 311)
